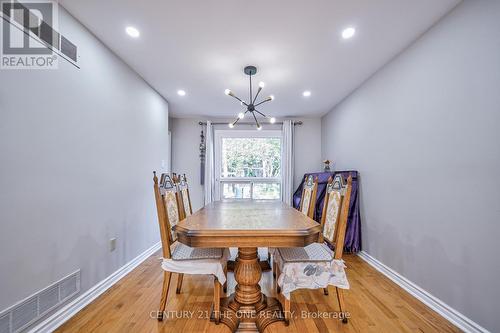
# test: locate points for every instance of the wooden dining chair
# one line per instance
(184, 200)
(186, 209)
(330, 193)
(307, 205)
(308, 198)
(179, 258)
(317, 258)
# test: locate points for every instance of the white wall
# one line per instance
(77, 149)
(424, 134)
(185, 151)
(307, 148)
(185, 155)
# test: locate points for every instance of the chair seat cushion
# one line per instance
(311, 253)
(184, 252)
(310, 275)
(198, 266)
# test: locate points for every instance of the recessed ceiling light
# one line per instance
(306, 93)
(132, 32)
(348, 32)
(181, 92)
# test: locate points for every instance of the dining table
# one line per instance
(247, 225)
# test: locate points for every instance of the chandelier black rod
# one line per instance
(266, 100)
(250, 99)
(256, 121)
(257, 94)
(263, 115)
(239, 99)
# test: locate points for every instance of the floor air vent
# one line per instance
(21, 315)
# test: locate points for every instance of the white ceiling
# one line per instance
(202, 46)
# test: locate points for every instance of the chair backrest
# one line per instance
(342, 221)
(170, 196)
(186, 209)
(162, 178)
(308, 199)
(332, 204)
(162, 216)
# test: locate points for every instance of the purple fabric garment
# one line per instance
(353, 232)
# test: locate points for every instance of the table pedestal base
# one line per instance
(265, 265)
(250, 318)
(248, 310)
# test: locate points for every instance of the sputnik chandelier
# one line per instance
(251, 105)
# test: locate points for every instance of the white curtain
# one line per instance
(209, 165)
(287, 162)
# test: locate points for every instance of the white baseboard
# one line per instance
(69, 310)
(425, 297)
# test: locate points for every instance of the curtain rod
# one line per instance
(299, 122)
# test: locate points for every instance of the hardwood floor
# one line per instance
(375, 303)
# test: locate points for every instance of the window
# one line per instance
(248, 164)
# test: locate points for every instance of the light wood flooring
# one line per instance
(374, 302)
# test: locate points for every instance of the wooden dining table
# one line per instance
(247, 225)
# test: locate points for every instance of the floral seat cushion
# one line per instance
(311, 253)
(310, 274)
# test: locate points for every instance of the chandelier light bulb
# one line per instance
(271, 97)
(272, 120)
(261, 84)
(241, 115)
(231, 125)
(227, 91)
(259, 127)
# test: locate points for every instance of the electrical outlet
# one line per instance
(112, 244)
